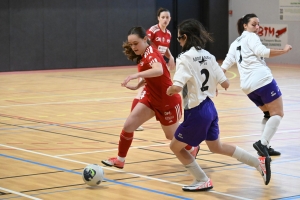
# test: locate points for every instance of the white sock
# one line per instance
(191, 150)
(270, 129)
(122, 159)
(245, 157)
(263, 124)
(196, 171)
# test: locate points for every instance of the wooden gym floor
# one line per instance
(55, 122)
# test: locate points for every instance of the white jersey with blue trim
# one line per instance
(248, 53)
(198, 73)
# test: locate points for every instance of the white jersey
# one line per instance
(198, 73)
(248, 53)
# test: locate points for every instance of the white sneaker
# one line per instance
(264, 168)
(140, 128)
(198, 186)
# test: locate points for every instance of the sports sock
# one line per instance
(134, 102)
(245, 157)
(196, 171)
(270, 129)
(124, 143)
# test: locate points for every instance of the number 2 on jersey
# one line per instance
(206, 73)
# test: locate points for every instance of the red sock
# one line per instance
(134, 102)
(188, 147)
(124, 143)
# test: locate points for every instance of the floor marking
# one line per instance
(108, 180)
(63, 102)
(20, 194)
(116, 170)
(137, 147)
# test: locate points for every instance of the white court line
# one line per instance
(20, 194)
(155, 145)
(63, 102)
(222, 138)
(105, 99)
(116, 170)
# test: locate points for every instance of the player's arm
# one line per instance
(141, 83)
(174, 89)
(278, 52)
(230, 58)
(221, 78)
(225, 84)
(171, 63)
(156, 70)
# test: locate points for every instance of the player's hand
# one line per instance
(287, 48)
(169, 93)
(129, 78)
(131, 87)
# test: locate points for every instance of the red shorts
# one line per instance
(165, 114)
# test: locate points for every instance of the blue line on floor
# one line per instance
(108, 180)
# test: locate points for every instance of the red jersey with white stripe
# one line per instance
(156, 87)
(159, 38)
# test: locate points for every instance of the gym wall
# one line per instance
(57, 34)
(268, 13)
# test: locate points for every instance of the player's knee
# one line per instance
(169, 136)
(214, 149)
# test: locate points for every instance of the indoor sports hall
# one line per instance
(62, 106)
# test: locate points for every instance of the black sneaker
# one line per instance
(262, 149)
(271, 152)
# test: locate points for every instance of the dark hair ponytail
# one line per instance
(197, 36)
(160, 10)
(244, 20)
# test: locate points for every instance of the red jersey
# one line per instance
(156, 87)
(159, 38)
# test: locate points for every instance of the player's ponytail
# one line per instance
(244, 20)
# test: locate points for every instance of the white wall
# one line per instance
(268, 13)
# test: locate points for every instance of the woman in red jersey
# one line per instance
(160, 38)
(154, 101)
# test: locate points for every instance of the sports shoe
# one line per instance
(140, 128)
(264, 168)
(198, 186)
(195, 151)
(271, 152)
(114, 162)
(262, 149)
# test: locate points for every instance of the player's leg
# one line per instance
(271, 151)
(140, 114)
(262, 164)
(201, 182)
(193, 131)
(135, 101)
(270, 97)
(169, 121)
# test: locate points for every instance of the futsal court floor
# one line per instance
(55, 122)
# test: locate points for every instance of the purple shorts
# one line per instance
(200, 123)
(265, 94)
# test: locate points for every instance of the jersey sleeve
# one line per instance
(230, 57)
(182, 74)
(257, 47)
(220, 74)
(150, 34)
